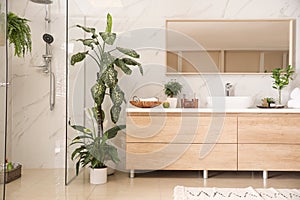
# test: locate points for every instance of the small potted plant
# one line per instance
(172, 89)
(266, 102)
(282, 77)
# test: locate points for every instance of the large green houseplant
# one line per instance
(282, 77)
(18, 33)
(106, 85)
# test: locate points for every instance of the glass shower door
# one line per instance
(3, 95)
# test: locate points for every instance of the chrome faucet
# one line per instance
(228, 87)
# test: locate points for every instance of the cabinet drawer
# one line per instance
(178, 129)
(281, 157)
(181, 156)
(281, 130)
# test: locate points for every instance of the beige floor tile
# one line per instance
(159, 185)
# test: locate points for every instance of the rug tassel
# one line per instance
(179, 193)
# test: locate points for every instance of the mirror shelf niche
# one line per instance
(228, 46)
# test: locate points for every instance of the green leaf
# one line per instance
(129, 52)
(108, 23)
(78, 57)
(77, 167)
(119, 63)
(77, 142)
(80, 137)
(109, 77)
(108, 59)
(87, 42)
(98, 93)
(108, 38)
(130, 61)
(88, 30)
(115, 113)
(117, 95)
(81, 129)
(76, 151)
(112, 132)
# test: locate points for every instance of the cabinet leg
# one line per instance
(131, 175)
(205, 174)
(265, 174)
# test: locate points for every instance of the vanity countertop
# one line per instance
(210, 110)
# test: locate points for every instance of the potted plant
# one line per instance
(172, 89)
(94, 150)
(267, 101)
(106, 85)
(18, 33)
(282, 77)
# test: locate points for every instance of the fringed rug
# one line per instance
(203, 193)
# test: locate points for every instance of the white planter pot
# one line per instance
(172, 102)
(98, 175)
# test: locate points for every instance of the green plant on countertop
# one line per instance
(172, 88)
(19, 34)
(282, 77)
(267, 101)
(106, 85)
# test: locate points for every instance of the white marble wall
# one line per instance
(37, 135)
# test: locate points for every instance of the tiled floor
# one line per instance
(49, 184)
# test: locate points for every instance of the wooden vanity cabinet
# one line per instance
(205, 141)
(181, 141)
(269, 142)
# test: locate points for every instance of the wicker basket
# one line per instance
(11, 175)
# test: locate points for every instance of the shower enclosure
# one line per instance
(3, 95)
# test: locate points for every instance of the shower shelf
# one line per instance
(11, 175)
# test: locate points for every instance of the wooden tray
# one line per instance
(275, 107)
(145, 104)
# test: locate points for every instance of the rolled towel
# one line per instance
(149, 99)
(293, 103)
(295, 94)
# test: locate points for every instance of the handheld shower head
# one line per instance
(48, 38)
(42, 1)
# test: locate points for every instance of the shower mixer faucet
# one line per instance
(47, 68)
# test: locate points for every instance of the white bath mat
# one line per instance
(203, 193)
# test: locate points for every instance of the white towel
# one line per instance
(149, 99)
(293, 103)
(295, 94)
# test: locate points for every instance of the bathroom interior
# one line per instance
(41, 92)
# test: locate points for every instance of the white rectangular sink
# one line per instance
(229, 102)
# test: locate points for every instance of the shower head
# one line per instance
(42, 1)
(48, 38)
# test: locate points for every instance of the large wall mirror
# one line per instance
(229, 46)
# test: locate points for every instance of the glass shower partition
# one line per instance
(3, 95)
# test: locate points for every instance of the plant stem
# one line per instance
(111, 50)
(279, 100)
(100, 121)
(97, 54)
(95, 60)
